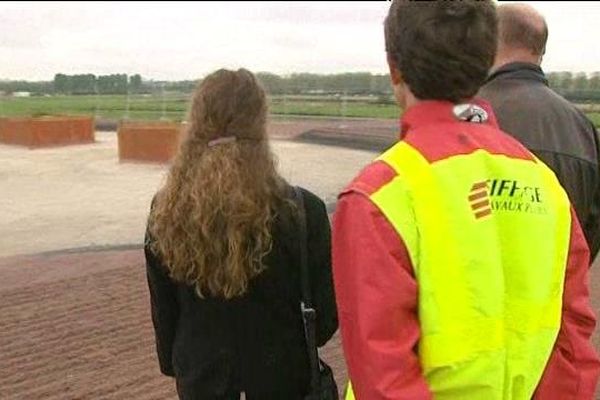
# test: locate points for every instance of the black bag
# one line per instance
(322, 382)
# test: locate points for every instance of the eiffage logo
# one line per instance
(478, 197)
(505, 195)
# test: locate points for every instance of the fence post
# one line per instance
(127, 106)
(97, 98)
(164, 104)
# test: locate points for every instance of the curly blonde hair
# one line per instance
(211, 222)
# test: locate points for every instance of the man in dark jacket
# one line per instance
(551, 127)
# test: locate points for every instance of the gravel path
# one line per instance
(77, 196)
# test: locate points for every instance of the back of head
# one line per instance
(521, 28)
(211, 221)
(228, 103)
(443, 49)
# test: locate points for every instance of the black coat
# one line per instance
(254, 343)
(556, 132)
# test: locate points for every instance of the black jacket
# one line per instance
(556, 132)
(254, 343)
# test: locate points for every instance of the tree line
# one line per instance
(575, 86)
(102, 84)
(345, 83)
(298, 83)
(78, 84)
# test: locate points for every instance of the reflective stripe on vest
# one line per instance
(488, 237)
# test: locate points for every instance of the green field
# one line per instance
(109, 107)
(174, 107)
(595, 118)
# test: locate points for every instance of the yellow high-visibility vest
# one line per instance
(488, 237)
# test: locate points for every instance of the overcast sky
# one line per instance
(186, 40)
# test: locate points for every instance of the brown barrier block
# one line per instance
(38, 132)
(16, 131)
(148, 141)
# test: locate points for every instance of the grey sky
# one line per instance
(186, 40)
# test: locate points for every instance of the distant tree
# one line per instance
(303, 83)
(594, 81)
(135, 83)
(382, 84)
(34, 87)
(83, 84)
(62, 84)
(566, 80)
(112, 84)
(121, 83)
(186, 86)
(104, 84)
(272, 83)
(356, 83)
(580, 81)
(297, 83)
(553, 79)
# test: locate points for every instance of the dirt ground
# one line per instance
(75, 321)
(78, 196)
(77, 326)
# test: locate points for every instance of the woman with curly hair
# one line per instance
(223, 256)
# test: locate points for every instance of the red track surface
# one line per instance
(77, 326)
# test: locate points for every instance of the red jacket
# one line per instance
(377, 292)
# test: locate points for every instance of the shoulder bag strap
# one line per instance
(308, 312)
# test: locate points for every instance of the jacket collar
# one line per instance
(519, 70)
(429, 112)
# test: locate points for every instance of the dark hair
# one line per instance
(516, 29)
(444, 49)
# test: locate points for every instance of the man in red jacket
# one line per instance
(460, 269)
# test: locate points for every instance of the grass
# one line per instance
(174, 107)
(327, 108)
(595, 118)
(109, 107)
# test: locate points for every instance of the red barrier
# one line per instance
(148, 141)
(36, 132)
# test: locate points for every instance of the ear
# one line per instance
(395, 74)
